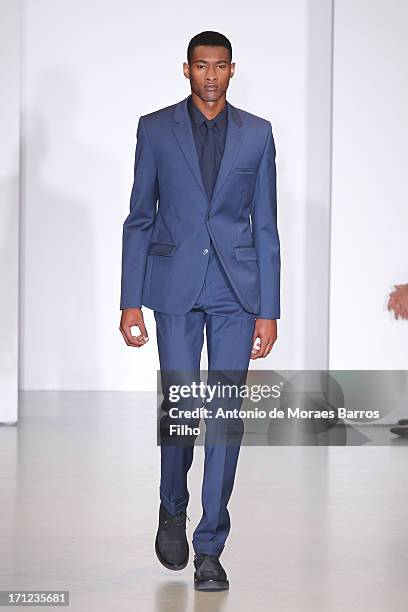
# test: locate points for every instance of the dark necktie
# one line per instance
(209, 158)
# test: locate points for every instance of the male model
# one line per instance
(201, 249)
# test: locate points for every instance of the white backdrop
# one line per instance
(370, 185)
(90, 69)
(9, 209)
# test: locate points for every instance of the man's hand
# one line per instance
(130, 317)
(398, 301)
(266, 331)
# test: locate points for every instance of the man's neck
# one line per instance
(209, 109)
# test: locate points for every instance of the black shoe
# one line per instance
(403, 422)
(209, 574)
(171, 541)
(401, 430)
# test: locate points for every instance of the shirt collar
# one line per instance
(199, 117)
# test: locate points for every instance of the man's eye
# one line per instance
(222, 65)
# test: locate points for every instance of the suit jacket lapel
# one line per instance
(184, 134)
(233, 141)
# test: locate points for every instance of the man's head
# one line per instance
(209, 65)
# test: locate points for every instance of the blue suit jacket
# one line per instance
(166, 236)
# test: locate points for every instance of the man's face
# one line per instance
(209, 72)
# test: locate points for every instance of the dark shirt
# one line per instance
(209, 159)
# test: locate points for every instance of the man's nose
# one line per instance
(211, 75)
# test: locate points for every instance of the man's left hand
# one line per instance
(266, 331)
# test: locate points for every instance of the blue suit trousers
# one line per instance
(180, 337)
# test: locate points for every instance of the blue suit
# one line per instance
(165, 252)
(202, 263)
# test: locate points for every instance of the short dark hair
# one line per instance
(208, 38)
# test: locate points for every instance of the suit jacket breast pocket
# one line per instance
(248, 170)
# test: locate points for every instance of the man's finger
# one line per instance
(129, 338)
(261, 350)
(255, 348)
(269, 347)
(143, 330)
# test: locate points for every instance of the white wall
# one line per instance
(9, 207)
(370, 186)
(90, 69)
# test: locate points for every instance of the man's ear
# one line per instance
(232, 69)
(186, 70)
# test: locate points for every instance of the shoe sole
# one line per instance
(171, 566)
(211, 585)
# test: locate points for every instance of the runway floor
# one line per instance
(320, 529)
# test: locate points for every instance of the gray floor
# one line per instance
(313, 528)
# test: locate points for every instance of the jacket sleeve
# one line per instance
(265, 231)
(138, 225)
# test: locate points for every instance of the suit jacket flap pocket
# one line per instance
(243, 253)
(161, 248)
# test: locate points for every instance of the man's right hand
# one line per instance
(130, 317)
